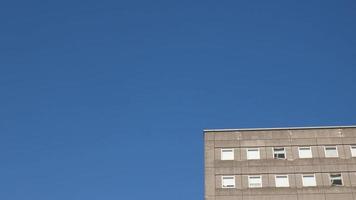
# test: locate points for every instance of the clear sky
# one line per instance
(107, 100)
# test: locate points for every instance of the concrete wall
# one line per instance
(268, 167)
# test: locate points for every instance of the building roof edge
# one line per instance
(279, 128)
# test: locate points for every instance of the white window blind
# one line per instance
(331, 151)
(227, 154)
(228, 181)
(305, 152)
(353, 150)
(255, 181)
(309, 180)
(282, 181)
(253, 153)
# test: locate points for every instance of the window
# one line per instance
(335, 179)
(353, 150)
(254, 181)
(253, 153)
(309, 180)
(228, 181)
(331, 151)
(305, 152)
(227, 154)
(282, 181)
(279, 153)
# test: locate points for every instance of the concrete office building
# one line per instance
(302, 163)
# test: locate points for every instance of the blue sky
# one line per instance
(107, 100)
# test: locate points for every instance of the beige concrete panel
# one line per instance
(351, 167)
(218, 181)
(352, 178)
(278, 143)
(209, 153)
(295, 152)
(217, 153)
(307, 169)
(339, 196)
(252, 143)
(311, 197)
(281, 169)
(319, 179)
(303, 133)
(283, 197)
(243, 154)
(303, 141)
(315, 152)
(309, 190)
(349, 140)
(341, 151)
(224, 163)
(281, 134)
(227, 135)
(209, 182)
(328, 141)
(292, 180)
(263, 153)
(254, 163)
(224, 198)
(209, 136)
(329, 133)
(256, 135)
(349, 132)
(228, 192)
(226, 143)
(298, 180)
(253, 170)
(333, 168)
(347, 151)
(237, 154)
(346, 179)
(325, 180)
(269, 152)
(289, 154)
(321, 152)
(244, 181)
(265, 180)
(228, 170)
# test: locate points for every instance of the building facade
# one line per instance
(303, 163)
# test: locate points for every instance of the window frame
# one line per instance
(330, 179)
(249, 183)
(303, 182)
(222, 153)
(310, 149)
(336, 149)
(281, 186)
(254, 148)
(284, 150)
(227, 186)
(353, 146)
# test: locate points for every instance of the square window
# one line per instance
(335, 179)
(353, 150)
(309, 180)
(282, 181)
(254, 181)
(253, 153)
(228, 181)
(227, 154)
(331, 151)
(279, 153)
(305, 152)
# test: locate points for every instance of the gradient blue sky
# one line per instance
(107, 100)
